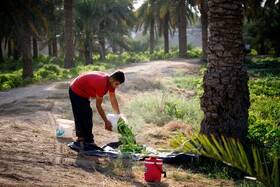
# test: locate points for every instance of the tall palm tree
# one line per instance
(86, 13)
(164, 22)
(69, 40)
(146, 15)
(181, 13)
(1, 51)
(225, 100)
(54, 14)
(116, 23)
(103, 23)
(17, 17)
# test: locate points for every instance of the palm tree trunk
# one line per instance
(225, 100)
(1, 52)
(54, 46)
(102, 48)
(152, 36)
(114, 47)
(50, 49)
(165, 34)
(69, 45)
(204, 28)
(35, 48)
(26, 53)
(10, 48)
(88, 57)
(16, 53)
(182, 30)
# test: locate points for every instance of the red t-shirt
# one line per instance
(91, 84)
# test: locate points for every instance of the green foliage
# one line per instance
(264, 115)
(266, 135)
(266, 108)
(12, 80)
(127, 139)
(253, 52)
(49, 72)
(195, 53)
(263, 67)
(263, 63)
(231, 152)
(139, 45)
(250, 183)
(265, 87)
(10, 65)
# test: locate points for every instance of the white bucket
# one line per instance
(113, 118)
(64, 128)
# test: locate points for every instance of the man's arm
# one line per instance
(101, 112)
(114, 102)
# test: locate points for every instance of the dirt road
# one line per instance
(31, 154)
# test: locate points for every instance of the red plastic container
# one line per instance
(153, 169)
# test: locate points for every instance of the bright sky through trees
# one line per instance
(137, 4)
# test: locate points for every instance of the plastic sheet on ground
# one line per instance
(110, 150)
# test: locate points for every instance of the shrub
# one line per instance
(10, 80)
(194, 53)
(48, 71)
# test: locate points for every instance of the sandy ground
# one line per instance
(31, 154)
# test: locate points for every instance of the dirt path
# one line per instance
(31, 154)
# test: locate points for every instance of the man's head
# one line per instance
(116, 79)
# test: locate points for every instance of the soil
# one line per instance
(31, 154)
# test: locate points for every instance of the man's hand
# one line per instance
(108, 126)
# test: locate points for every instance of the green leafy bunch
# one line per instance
(127, 139)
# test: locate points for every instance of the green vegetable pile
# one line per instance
(127, 139)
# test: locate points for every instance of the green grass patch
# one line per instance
(164, 107)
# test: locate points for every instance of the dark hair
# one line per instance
(118, 76)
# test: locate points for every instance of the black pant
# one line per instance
(83, 116)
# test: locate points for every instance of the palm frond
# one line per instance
(231, 152)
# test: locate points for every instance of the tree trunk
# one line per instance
(165, 34)
(26, 53)
(10, 48)
(16, 53)
(35, 48)
(225, 100)
(121, 50)
(152, 36)
(204, 28)
(1, 52)
(50, 49)
(114, 47)
(102, 48)
(182, 30)
(88, 57)
(54, 47)
(69, 45)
